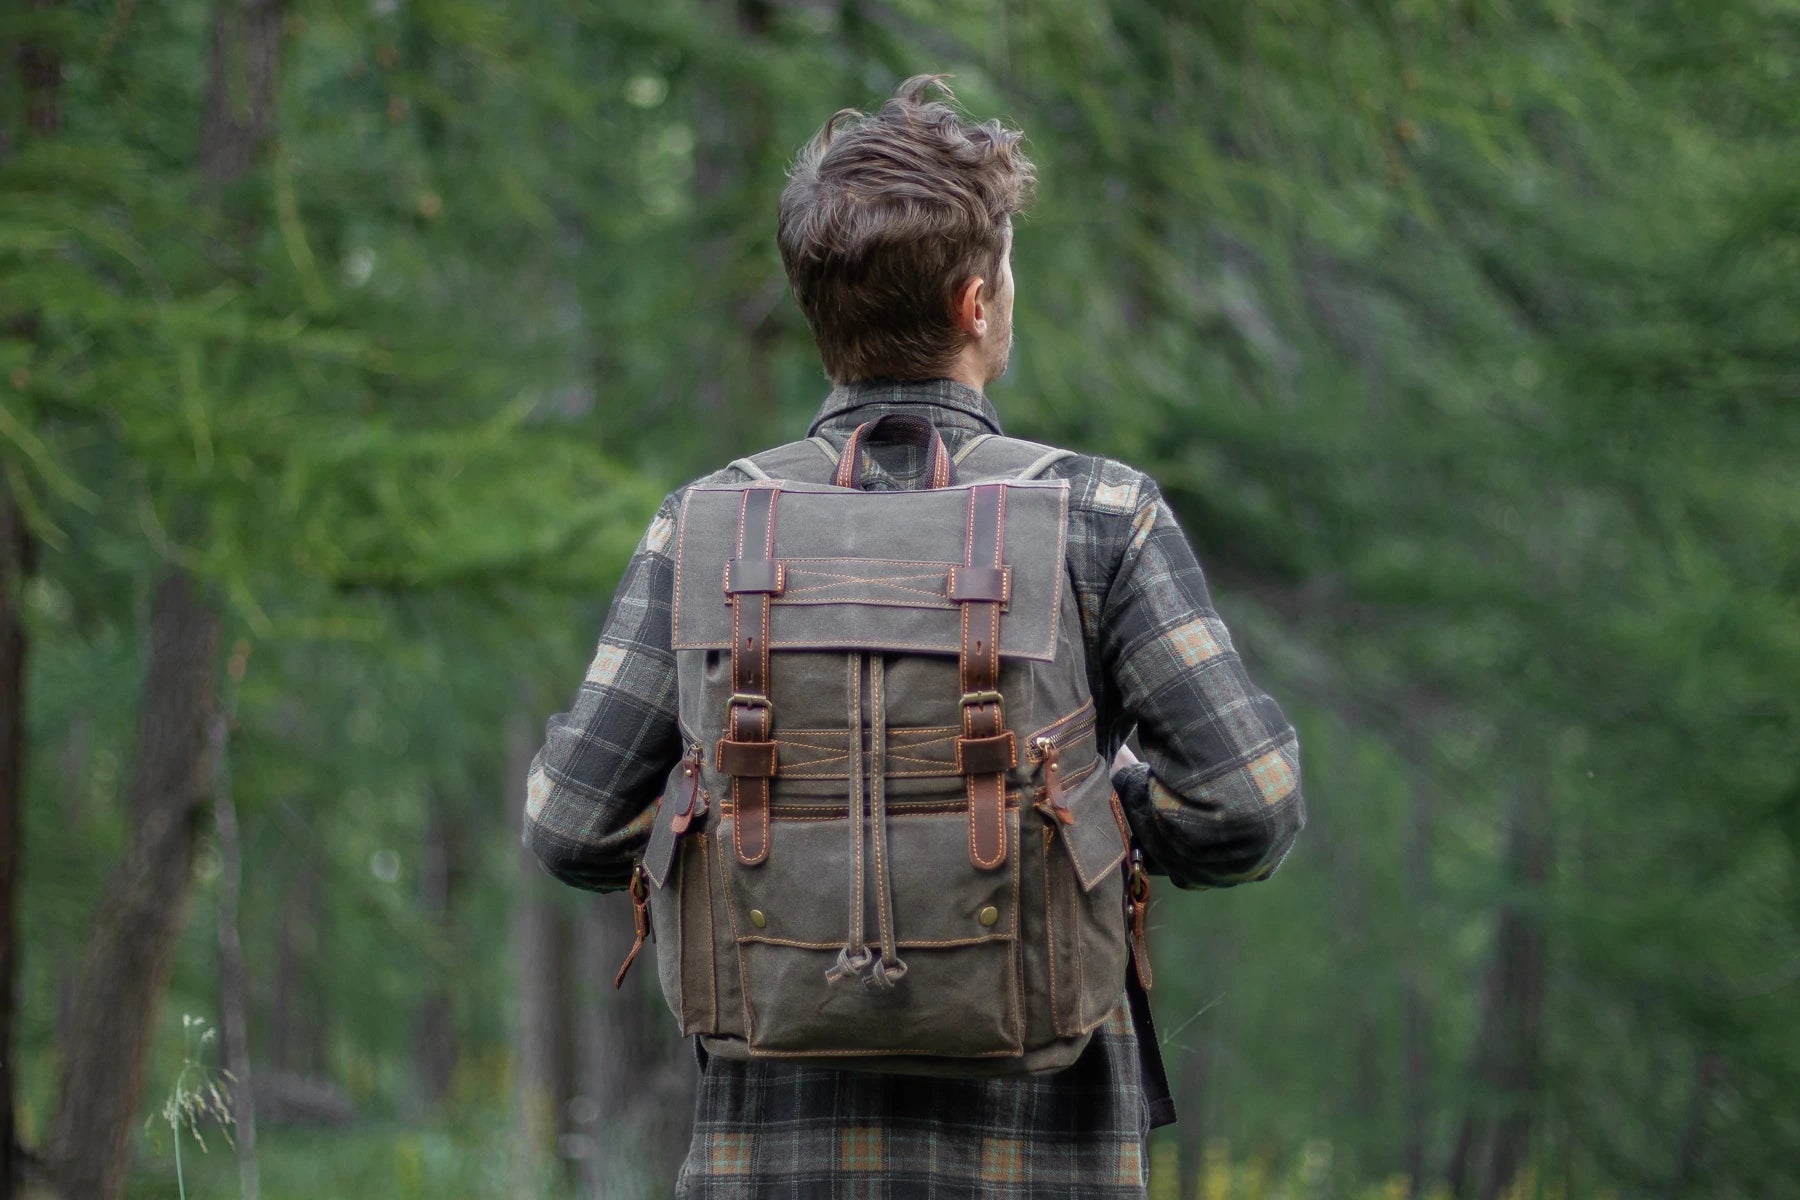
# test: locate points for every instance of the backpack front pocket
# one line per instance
(1084, 897)
(817, 980)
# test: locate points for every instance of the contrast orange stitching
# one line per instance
(712, 949)
(885, 562)
(758, 1052)
(878, 720)
(1050, 941)
(680, 539)
(1015, 980)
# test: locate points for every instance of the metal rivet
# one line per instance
(757, 919)
(988, 915)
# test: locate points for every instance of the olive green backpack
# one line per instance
(893, 843)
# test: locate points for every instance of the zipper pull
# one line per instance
(1051, 757)
(692, 806)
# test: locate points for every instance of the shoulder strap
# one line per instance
(970, 446)
(810, 460)
(987, 456)
(1042, 462)
(994, 457)
(748, 467)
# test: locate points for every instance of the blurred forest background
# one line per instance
(346, 347)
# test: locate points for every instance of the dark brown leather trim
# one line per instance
(918, 430)
(983, 718)
(749, 719)
(756, 759)
(754, 575)
(970, 584)
(899, 808)
(1137, 892)
(986, 756)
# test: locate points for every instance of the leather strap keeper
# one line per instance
(970, 585)
(755, 760)
(754, 575)
(986, 755)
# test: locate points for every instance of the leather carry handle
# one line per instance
(916, 431)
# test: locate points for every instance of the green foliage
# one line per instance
(1461, 336)
(199, 1094)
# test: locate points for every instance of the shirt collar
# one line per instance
(842, 408)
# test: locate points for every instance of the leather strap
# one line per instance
(917, 430)
(1138, 901)
(640, 913)
(1152, 1076)
(986, 749)
(748, 752)
(691, 804)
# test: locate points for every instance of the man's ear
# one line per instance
(971, 307)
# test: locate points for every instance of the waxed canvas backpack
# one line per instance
(892, 843)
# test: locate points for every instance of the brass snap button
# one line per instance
(988, 916)
(757, 919)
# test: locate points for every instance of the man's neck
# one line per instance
(969, 369)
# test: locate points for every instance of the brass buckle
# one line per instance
(749, 700)
(988, 697)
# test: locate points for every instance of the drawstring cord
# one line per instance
(855, 957)
(888, 969)
(878, 968)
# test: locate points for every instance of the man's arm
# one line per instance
(1217, 800)
(589, 796)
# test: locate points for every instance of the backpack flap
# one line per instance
(872, 570)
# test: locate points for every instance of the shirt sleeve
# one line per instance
(590, 795)
(1216, 800)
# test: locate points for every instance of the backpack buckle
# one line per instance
(986, 697)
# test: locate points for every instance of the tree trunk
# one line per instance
(608, 1120)
(296, 1040)
(140, 918)
(15, 568)
(543, 1041)
(434, 1044)
(40, 71)
(132, 948)
(1190, 1134)
(240, 89)
(637, 1075)
(1494, 1138)
(1709, 1073)
(733, 128)
(1201, 1038)
(1415, 1013)
(234, 985)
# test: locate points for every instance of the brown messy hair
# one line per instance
(885, 216)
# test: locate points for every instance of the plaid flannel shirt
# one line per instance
(1216, 801)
